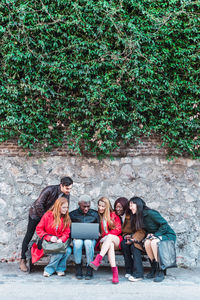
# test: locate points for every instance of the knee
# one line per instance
(69, 250)
(123, 244)
(77, 244)
(154, 243)
(88, 243)
(147, 244)
(109, 238)
(134, 249)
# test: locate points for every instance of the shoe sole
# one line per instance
(158, 280)
(93, 267)
(136, 280)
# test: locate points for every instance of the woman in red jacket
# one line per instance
(55, 225)
(110, 236)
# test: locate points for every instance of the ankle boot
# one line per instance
(152, 273)
(159, 276)
(89, 273)
(115, 278)
(22, 265)
(96, 263)
(79, 273)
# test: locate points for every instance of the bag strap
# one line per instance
(39, 243)
(45, 235)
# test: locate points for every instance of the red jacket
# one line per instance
(116, 230)
(45, 226)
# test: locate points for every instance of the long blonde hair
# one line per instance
(106, 214)
(56, 210)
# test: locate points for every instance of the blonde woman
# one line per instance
(110, 236)
(55, 225)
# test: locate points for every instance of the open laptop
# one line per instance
(85, 231)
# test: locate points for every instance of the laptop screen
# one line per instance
(85, 231)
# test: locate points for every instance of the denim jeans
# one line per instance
(58, 262)
(133, 260)
(89, 250)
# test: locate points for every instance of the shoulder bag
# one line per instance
(167, 254)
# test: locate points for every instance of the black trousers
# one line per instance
(133, 260)
(32, 223)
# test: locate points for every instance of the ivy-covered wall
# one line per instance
(100, 72)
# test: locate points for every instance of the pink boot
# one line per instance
(115, 275)
(96, 263)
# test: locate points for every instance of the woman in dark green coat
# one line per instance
(157, 229)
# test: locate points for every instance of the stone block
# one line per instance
(87, 171)
(126, 171)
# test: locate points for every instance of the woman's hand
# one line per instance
(127, 237)
(53, 239)
(150, 236)
(129, 242)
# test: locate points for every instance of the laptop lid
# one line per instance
(85, 231)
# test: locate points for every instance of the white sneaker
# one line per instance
(127, 275)
(60, 273)
(46, 274)
(134, 279)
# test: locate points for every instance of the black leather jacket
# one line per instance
(77, 216)
(46, 199)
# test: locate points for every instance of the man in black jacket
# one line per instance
(46, 199)
(84, 214)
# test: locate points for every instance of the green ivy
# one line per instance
(99, 72)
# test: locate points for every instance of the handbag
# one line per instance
(167, 254)
(55, 248)
(52, 248)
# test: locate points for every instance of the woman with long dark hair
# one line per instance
(110, 236)
(55, 227)
(133, 233)
(156, 227)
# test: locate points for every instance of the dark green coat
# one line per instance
(156, 224)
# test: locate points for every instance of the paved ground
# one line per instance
(14, 285)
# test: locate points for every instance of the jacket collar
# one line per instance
(145, 212)
(80, 212)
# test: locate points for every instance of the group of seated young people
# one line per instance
(123, 228)
(131, 227)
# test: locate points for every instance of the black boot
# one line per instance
(89, 273)
(159, 276)
(152, 273)
(79, 273)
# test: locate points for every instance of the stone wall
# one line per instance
(171, 187)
